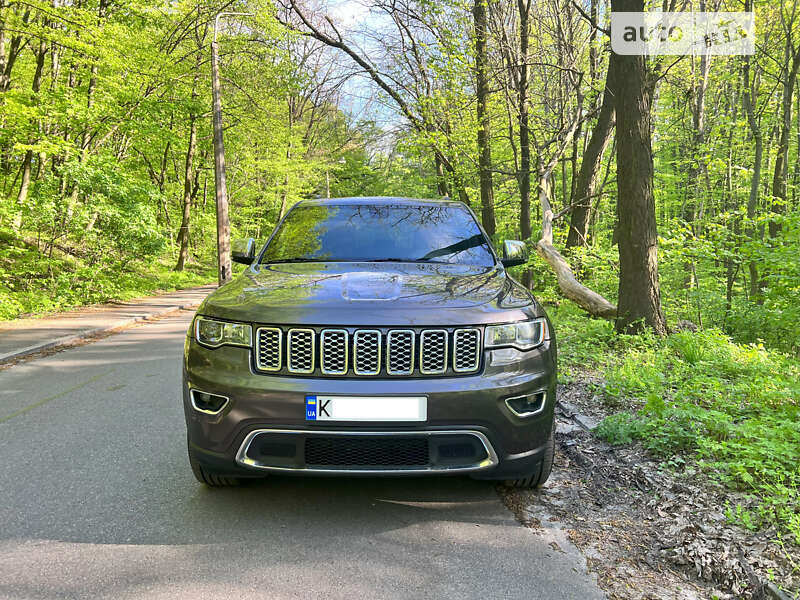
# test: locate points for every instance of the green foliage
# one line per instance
(59, 281)
(123, 87)
(734, 408)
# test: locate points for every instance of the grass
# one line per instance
(731, 409)
(33, 283)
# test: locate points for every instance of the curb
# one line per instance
(88, 333)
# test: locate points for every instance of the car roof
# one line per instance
(377, 201)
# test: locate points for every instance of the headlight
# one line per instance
(523, 336)
(213, 333)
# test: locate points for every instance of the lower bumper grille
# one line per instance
(366, 452)
(344, 451)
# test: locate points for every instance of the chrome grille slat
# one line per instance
(400, 351)
(360, 352)
(466, 350)
(367, 352)
(270, 342)
(333, 351)
(300, 347)
(433, 351)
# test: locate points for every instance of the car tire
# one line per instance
(208, 477)
(541, 472)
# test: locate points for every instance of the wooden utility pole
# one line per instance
(221, 189)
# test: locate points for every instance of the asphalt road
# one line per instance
(97, 501)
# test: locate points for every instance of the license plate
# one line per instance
(366, 408)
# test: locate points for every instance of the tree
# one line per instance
(788, 75)
(639, 289)
(585, 187)
(189, 188)
(481, 97)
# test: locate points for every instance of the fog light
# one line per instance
(208, 403)
(528, 405)
(505, 356)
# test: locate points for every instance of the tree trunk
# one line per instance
(2, 46)
(18, 42)
(749, 101)
(285, 190)
(188, 178)
(90, 91)
(639, 291)
(482, 95)
(696, 172)
(86, 138)
(441, 180)
(586, 187)
(524, 172)
(782, 159)
(22, 196)
(188, 181)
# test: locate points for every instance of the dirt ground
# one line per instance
(648, 531)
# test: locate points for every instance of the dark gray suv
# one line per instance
(372, 336)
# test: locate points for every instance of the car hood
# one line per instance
(371, 294)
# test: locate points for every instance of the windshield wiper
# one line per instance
(470, 242)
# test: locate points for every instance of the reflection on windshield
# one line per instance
(444, 233)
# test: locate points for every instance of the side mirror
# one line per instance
(243, 251)
(514, 253)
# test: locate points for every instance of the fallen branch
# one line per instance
(587, 299)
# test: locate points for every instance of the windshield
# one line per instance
(443, 233)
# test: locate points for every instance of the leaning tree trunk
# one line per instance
(587, 299)
(585, 186)
(570, 287)
(639, 291)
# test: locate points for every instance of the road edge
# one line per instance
(68, 340)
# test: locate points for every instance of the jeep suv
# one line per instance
(372, 336)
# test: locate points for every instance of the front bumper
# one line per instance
(473, 406)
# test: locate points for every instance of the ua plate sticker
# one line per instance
(314, 408)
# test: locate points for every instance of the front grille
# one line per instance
(333, 351)
(433, 351)
(300, 351)
(368, 352)
(358, 451)
(400, 352)
(466, 350)
(268, 357)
